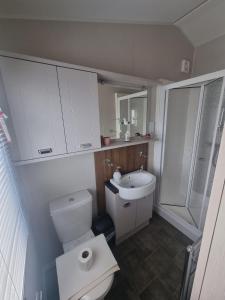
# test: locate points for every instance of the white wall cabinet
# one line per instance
(53, 110)
(80, 106)
(128, 216)
(35, 110)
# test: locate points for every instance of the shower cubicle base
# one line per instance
(189, 230)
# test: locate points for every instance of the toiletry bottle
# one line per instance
(117, 175)
(127, 136)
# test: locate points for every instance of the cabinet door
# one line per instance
(33, 99)
(79, 96)
(126, 212)
(144, 210)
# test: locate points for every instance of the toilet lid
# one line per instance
(103, 288)
(75, 283)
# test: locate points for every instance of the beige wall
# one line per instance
(40, 183)
(210, 57)
(33, 273)
(141, 50)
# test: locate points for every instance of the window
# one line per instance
(13, 230)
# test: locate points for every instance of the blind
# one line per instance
(13, 230)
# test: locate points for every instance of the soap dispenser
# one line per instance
(127, 136)
(117, 175)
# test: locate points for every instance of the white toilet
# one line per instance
(72, 218)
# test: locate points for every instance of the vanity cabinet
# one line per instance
(125, 216)
(128, 216)
(34, 107)
(144, 210)
(80, 107)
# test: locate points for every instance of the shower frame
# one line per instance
(162, 100)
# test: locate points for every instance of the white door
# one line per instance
(33, 98)
(209, 282)
(144, 210)
(79, 96)
(213, 286)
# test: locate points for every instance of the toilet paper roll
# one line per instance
(85, 259)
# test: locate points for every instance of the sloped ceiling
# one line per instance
(205, 23)
(129, 11)
(200, 20)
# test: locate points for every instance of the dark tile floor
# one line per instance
(151, 264)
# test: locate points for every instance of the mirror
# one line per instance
(122, 111)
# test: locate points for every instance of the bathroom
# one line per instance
(138, 114)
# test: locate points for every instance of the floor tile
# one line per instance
(179, 259)
(172, 245)
(183, 238)
(121, 291)
(153, 257)
(171, 277)
(159, 261)
(139, 278)
(156, 291)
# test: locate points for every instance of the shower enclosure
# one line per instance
(193, 118)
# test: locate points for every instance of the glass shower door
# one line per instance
(206, 152)
(182, 115)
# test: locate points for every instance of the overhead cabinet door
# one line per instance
(33, 98)
(79, 96)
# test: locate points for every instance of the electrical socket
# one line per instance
(185, 66)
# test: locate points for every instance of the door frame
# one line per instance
(216, 198)
(161, 92)
(219, 111)
(211, 225)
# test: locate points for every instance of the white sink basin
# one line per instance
(135, 185)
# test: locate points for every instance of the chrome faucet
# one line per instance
(141, 154)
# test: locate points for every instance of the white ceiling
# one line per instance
(205, 23)
(125, 11)
(200, 20)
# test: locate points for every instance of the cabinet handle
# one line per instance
(86, 145)
(45, 151)
(126, 205)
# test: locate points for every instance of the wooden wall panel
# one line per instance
(127, 158)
